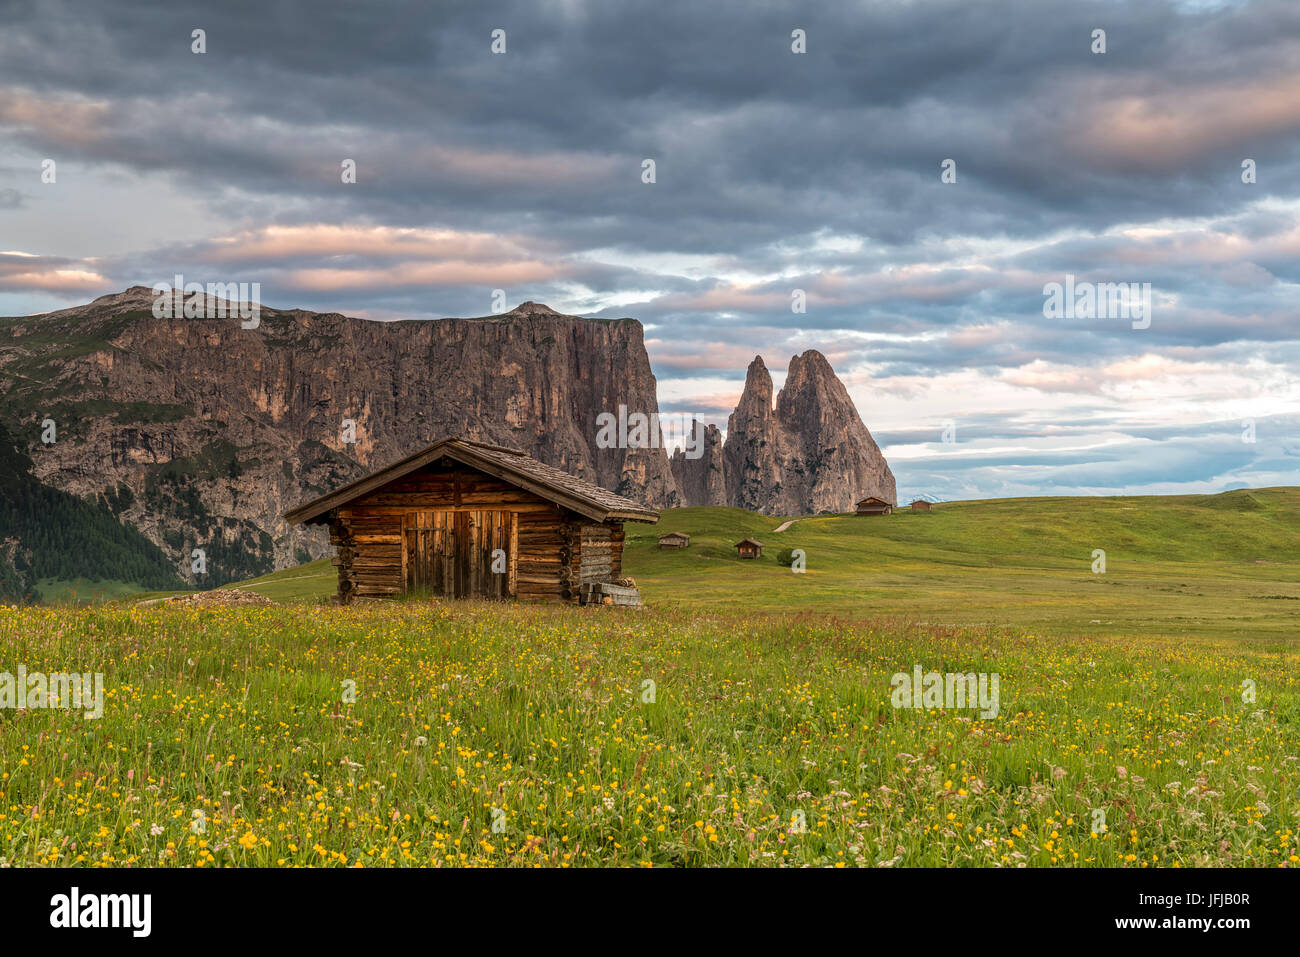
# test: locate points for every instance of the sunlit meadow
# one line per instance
(494, 735)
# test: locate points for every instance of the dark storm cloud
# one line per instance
(754, 145)
(775, 172)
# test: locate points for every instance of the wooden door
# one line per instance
(460, 554)
(426, 551)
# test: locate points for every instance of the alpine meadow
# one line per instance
(838, 453)
(733, 722)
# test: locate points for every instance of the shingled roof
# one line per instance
(509, 465)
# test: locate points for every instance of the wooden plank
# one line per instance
(512, 583)
(550, 554)
(406, 565)
(541, 556)
(389, 512)
(430, 499)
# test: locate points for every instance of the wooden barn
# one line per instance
(675, 540)
(466, 520)
(921, 505)
(749, 548)
(874, 506)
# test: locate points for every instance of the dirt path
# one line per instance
(784, 525)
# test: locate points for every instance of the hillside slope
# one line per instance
(48, 537)
(1223, 566)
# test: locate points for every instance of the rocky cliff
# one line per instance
(201, 433)
(703, 480)
(807, 453)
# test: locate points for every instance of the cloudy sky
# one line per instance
(774, 171)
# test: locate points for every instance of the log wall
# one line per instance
(555, 549)
(601, 556)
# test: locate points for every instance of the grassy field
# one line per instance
(1217, 566)
(1149, 716)
(1220, 566)
(56, 592)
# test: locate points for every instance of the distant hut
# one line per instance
(921, 505)
(748, 548)
(675, 540)
(466, 520)
(874, 506)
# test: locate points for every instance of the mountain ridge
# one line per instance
(218, 430)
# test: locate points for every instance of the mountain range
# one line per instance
(201, 433)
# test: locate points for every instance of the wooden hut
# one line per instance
(675, 540)
(467, 520)
(748, 548)
(874, 506)
(920, 505)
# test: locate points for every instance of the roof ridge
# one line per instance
(487, 445)
(559, 486)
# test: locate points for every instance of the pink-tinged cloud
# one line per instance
(1052, 377)
(321, 257)
(289, 244)
(65, 122)
(20, 271)
(697, 356)
(1171, 376)
(838, 288)
(716, 405)
(423, 274)
(979, 336)
(1149, 366)
(503, 169)
(1168, 129)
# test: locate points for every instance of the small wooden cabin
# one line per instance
(675, 540)
(921, 505)
(748, 548)
(466, 520)
(874, 506)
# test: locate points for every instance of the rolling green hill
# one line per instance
(1221, 565)
(1209, 565)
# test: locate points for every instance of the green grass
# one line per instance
(1147, 717)
(228, 738)
(314, 581)
(1212, 566)
(1219, 565)
(53, 592)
